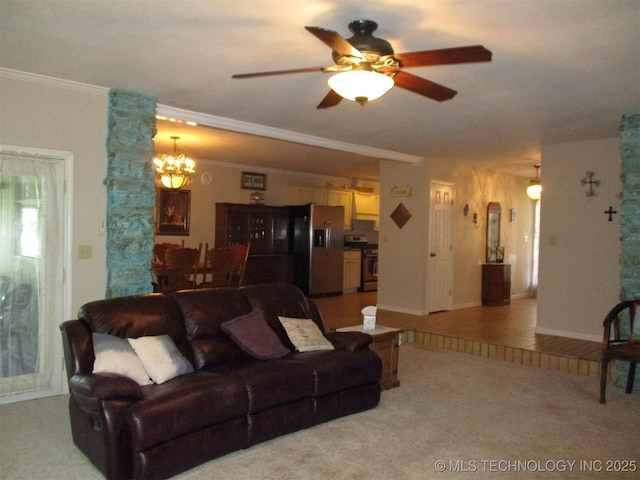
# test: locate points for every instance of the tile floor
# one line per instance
(506, 333)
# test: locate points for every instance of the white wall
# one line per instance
(46, 117)
(580, 249)
(403, 252)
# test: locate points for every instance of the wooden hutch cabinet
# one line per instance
(266, 229)
(496, 284)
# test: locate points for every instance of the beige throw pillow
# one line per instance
(305, 334)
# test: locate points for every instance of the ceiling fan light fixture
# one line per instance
(360, 84)
(174, 171)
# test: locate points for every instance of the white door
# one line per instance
(440, 260)
(33, 226)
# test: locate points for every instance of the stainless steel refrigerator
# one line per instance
(317, 245)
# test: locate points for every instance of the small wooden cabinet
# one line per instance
(351, 273)
(266, 229)
(386, 343)
(496, 284)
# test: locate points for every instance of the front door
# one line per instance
(440, 261)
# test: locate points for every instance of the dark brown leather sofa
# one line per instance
(229, 402)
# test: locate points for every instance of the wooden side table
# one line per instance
(386, 343)
(496, 284)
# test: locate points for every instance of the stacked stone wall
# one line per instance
(130, 193)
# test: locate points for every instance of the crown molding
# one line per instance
(53, 82)
(280, 134)
(221, 122)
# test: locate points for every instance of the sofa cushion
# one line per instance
(282, 300)
(339, 370)
(204, 311)
(160, 357)
(271, 383)
(183, 405)
(305, 334)
(138, 316)
(115, 355)
(252, 333)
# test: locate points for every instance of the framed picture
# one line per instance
(173, 212)
(253, 181)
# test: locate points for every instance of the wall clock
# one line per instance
(206, 178)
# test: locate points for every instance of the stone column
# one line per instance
(629, 225)
(130, 193)
(630, 207)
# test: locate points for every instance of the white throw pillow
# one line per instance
(161, 358)
(305, 334)
(115, 355)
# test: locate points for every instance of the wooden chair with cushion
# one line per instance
(218, 264)
(181, 269)
(617, 345)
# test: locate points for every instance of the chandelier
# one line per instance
(534, 190)
(174, 171)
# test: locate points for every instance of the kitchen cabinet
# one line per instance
(496, 284)
(351, 273)
(367, 207)
(342, 198)
(265, 228)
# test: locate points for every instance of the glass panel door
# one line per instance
(31, 283)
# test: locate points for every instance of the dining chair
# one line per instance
(17, 326)
(218, 265)
(159, 250)
(7, 285)
(617, 345)
(180, 270)
(240, 257)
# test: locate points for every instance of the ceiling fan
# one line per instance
(364, 60)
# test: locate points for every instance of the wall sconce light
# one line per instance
(174, 171)
(475, 220)
(534, 190)
(465, 210)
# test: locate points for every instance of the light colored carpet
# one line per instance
(481, 417)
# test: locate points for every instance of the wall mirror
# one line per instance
(493, 233)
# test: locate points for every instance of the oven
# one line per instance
(369, 279)
(369, 261)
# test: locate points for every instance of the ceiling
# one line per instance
(562, 71)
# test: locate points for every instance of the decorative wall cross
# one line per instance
(610, 212)
(588, 180)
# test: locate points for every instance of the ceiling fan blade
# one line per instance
(331, 99)
(278, 72)
(423, 87)
(336, 41)
(475, 53)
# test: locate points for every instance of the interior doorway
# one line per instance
(440, 260)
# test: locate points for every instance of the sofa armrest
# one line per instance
(90, 390)
(350, 341)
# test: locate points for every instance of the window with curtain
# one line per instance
(31, 252)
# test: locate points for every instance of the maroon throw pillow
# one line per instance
(254, 336)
